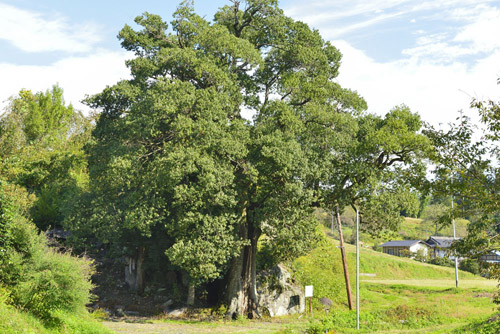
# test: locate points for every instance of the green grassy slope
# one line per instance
(404, 296)
(390, 267)
(14, 321)
(322, 267)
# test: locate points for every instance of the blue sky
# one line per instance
(432, 55)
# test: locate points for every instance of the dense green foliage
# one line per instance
(176, 169)
(378, 169)
(173, 162)
(41, 143)
(41, 168)
(36, 278)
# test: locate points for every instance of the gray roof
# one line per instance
(402, 243)
(441, 242)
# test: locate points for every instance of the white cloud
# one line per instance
(325, 11)
(436, 92)
(476, 35)
(483, 31)
(32, 32)
(78, 76)
(333, 32)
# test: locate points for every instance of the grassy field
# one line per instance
(439, 283)
(404, 296)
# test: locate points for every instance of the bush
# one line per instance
(442, 261)
(470, 265)
(37, 278)
(54, 282)
(421, 256)
(12, 321)
(406, 253)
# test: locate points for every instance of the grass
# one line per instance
(14, 321)
(322, 268)
(403, 308)
(439, 283)
(404, 296)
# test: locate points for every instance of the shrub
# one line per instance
(421, 256)
(55, 282)
(442, 261)
(470, 265)
(406, 253)
(37, 278)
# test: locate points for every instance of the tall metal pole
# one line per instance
(454, 238)
(357, 269)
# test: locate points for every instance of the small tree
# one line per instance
(467, 169)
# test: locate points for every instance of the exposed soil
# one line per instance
(142, 326)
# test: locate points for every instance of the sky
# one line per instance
(433, 56)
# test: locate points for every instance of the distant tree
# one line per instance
(41, 142)
(431, 215)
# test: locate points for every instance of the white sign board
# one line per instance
(309, 291)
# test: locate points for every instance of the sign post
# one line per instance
(308, 294)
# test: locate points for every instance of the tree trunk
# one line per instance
(140, 271)
(134, 273)
(344, 260)
(241, 290)
(190, 296)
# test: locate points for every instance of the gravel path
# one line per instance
(176, 327)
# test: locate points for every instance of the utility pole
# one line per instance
(344, 259)
(357, 269)
(454, 238)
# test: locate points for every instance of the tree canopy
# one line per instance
(174, 166)
(41, 142)
(468, 171)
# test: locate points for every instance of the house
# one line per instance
(440, 246)
(400, 247)
(491, 257)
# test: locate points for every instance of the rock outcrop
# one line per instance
(277, 293)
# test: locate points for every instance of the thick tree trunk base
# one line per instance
(241, 289)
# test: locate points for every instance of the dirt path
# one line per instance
(185, 327)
